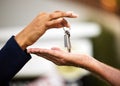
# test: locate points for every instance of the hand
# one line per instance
(61, 57)
(40, 24)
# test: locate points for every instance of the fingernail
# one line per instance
(59, 19)
(73, 14)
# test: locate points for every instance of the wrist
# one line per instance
(27, 37)
(93, 65)
(21, 42)
(85, 61)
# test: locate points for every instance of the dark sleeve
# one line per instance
(12, 59)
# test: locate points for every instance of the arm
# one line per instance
(13, 55)
(107, 72)
(59, 57)
(12, 59)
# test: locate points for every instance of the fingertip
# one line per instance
(72, 14)
(28, 50)
(75, 15)
(68, 26)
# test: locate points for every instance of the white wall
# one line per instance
(21, 12)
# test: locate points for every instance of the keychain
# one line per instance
(67, 42)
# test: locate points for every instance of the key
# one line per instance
(67, 42)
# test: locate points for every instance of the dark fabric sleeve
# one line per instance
(12, 59)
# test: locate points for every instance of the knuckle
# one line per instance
(52, 15)
(42, 14)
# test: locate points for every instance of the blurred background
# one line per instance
(96, 32)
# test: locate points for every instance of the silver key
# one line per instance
(67, 42)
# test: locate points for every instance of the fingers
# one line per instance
(58, 14)
(38, 50)
(33, 51)
(57, 49)
(57, 23)
(57, 19)
(52, 55)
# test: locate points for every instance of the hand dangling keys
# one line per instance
(67, 42)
